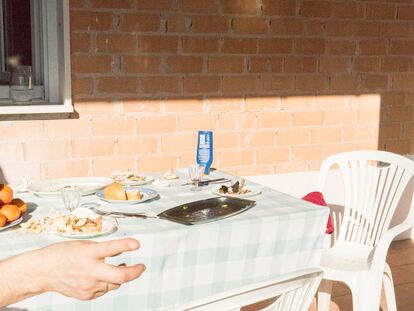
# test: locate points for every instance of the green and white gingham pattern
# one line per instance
(279, 235)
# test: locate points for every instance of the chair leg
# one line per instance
(324, 295)
(388, 289)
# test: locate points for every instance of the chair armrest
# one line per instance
(384, 243)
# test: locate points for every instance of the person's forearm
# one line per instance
(21, 277)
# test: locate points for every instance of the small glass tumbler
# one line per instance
(196, 172)
(21, 84)
(71, 198)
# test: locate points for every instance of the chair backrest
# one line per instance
(293, 292)
(374, 182)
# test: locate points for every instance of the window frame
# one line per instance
(54, 63)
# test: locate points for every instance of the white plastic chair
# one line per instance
(374, 182)
(293, 292)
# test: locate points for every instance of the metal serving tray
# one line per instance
(203, 211)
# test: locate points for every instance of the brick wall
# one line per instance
(281, 83)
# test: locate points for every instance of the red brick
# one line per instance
(368, 29)
(310, 46)
(259, 64)
(86, 20)
(200, 44)
(341, 47)
(347, 10)
(396, 29)
(276, 64)
(311, 83)
(240, 46)
(279, 7)
(380, 11)
(160, 84)
(337, 28)
(314, 27)
(79, 42)
(402, 47)
(159, 5)
(184, 64)
(239, 6)
(334, 64)
(375, 81)
(238, 84)
(140, 64)
(91, 64)
(275, 46)
(111, 4)
(210, 24)
(250, 25)
(201, 84)
(315, 8)
(77, 4)
(367, 64)
(403, 81)
(116, 43)
(218, 64)
(117, 85)
(396, 64)
(176, 23)
(286, 26)
(372, 47)
(406, 12)
(344, 83)
(81, 86)
(271, 83)
(160, 44)
(199, 6)
(300, 64)
(140, 22)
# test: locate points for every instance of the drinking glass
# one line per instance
(196, 173)
(71, 197)
(21, 83)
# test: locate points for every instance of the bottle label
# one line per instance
(205, 149)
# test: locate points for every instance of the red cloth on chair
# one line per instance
(316, 197)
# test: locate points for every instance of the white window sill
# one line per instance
(34, 107)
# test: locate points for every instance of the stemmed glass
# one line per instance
(196, 173)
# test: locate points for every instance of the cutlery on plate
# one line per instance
(121, 215)
(207, 182)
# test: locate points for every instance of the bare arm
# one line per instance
(74, 269)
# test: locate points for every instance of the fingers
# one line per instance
(115, 247)
(119, 275)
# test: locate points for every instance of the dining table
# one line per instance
(184, 263)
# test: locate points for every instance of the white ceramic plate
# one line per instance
(253, 192)
(51, 188)
(108, 226)
(148, 194)
(146, 181)
(12, 224)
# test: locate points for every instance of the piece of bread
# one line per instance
(114, 191)
(133, 194)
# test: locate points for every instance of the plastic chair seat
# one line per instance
(347, 256)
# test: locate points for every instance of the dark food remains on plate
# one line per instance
(235, 188)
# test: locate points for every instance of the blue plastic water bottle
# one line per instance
(205, 149)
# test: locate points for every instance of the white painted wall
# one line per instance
(300, 183)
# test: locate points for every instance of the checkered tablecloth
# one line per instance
(279, 235)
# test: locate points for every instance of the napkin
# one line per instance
(316, 197)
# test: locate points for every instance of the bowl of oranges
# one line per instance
(11, 209)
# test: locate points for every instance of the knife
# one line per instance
(206, 182)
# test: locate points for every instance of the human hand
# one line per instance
(78, 269)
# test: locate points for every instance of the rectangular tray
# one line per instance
(204, 211)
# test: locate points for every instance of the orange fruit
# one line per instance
(3, 220)
(20, 204)
(6, 194)
(12, 212)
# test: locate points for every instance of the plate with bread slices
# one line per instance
(119, 194)
(131, 179)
